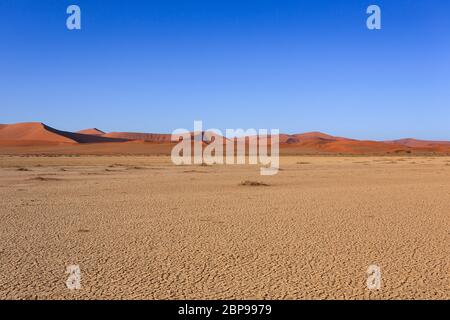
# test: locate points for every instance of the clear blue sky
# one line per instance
(299, 66)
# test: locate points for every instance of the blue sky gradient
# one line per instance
(299, 66)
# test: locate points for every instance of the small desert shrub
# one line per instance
(253, 183)
(194, 171)
(115, 165)
(204, 164)
(39, 178)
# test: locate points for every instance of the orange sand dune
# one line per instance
(414, 143)
(148, 137)
(300, 137)
(38, 133)
(36, 137)
(151, 137)
(344, 146)
(353, 146)
(318, 135)
(32, 131)
(92, 131)
(329, 144)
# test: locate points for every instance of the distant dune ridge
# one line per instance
(414, 143)
(92, 131)
(36, 137)
(149, 137)
(295, 138)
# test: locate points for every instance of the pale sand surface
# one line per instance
(144, 228)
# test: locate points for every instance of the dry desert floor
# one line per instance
(140, 227)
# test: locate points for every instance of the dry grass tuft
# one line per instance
(116, 165)
(204, 164)
(39, 178)
(253, 183)
(194, 171)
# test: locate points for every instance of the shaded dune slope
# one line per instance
(92, 131)
(39, 132)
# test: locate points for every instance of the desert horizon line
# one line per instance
(97, 131)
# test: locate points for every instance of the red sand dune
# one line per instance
(35, 137)
(92, 131)
(300, 137)
(414, 143)
(32, 131)
(359, 147)
(147, 137)
(150, 137)
(39, 133)
(348, 146)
